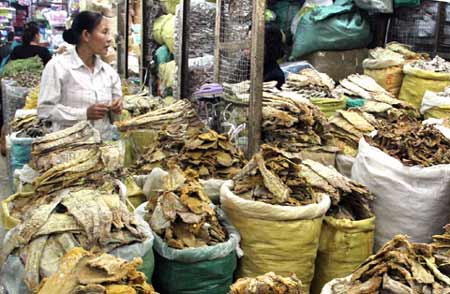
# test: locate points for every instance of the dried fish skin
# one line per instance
(269, 283)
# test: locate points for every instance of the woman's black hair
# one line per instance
(85, 20)
(29, 33)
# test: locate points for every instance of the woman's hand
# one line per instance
(97, 111)
(116, 106)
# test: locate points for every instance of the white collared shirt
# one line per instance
(69, 87)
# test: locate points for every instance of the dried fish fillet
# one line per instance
(269, 283)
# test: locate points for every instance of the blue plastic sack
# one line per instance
(20, 151)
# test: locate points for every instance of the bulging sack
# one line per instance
(434, 106)
(390, 78)
(408, 200)
(344, 245)
(276, 238)
(417, 81)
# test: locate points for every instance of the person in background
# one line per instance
(6, 49)
(30, 45)
(77, 85)
(273, 50)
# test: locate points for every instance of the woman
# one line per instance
(30, 45)
(78, 85)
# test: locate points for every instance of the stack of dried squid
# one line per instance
(412, 143)
(310, 83)
(141, 103)
(81, 271)
(182, 214)
(30, 126)
(85, 218)
(269, 283)
(399, 267)
(273, 176)
(349, 200)
(211, 155)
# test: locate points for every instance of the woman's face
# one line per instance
(100, 39)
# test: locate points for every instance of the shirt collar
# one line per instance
(77, 62)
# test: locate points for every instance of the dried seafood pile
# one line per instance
(26, 72)
(273, 176)
(349, 126)
(177, 120)
(441, 248)
(81, 271)
(349, 200)
(86, 218)
(269, 283)
(211, 155)
(141, 103)
(30, 126)
(63, 146)
(412, 143)
(399, 267)
(438, 64)
(310, 83)
(182, 215)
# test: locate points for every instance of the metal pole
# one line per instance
(256, 77)
(183, 53)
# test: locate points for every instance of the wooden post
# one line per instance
(218, 40)
(119, 38)
(256, 77)
(183, 51)
(127, 35)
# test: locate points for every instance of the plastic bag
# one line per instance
(158, 26)
(202, 270)
(20, 151)
(344, 245)
(285, 11)
(344, 164)
(434, 106)
(276, 238)
(335, 27)
(377, 6)
(417, 81)
(408, 200)
(13, 98)
(169, 6)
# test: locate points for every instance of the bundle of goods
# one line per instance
(269, 283)
(276, 210)
(157, 155)
(410, 160)
(211, 155)
(26, 72)
(30, 126)
(398, 267)
(316, 87)
(81, 271)
(32, 98)
(423, 75)
(141, 103)
(436, 105)
(193, 241)
(441, 247)
(85, 218)
(347, 233)
(62, 146)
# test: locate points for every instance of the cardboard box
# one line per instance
(338, 64)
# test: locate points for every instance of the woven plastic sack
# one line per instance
(203, 270)
(285, 12)
(158, 26)
(376, 6)
(417, 81)
(168, 33)
(390, 78)
(276, 238)
(434, 106)
(170, 6)
(344, 245)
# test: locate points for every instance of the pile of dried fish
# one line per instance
(26, 72)
(274, 176)
(30, 126)
(438, 64)
(87, 218)
(349, 200)
(399, 267)
(441, 248)
(141, 103)
(182, 214)
(177, 120)
(62, 146)
(349, 126)
(310, 83)
(211, 155)
(81, 271)
(269, 283)
(412, 143)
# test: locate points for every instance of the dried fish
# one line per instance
(269, 283)
(141, 103)
(398, 267)
(83, 272)
(438, 64)
(412, 143)
(30, 126)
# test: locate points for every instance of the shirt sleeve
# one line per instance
(50, 96)
(116, 86)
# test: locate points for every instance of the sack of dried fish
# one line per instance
(421, 76)
(436, 105)
(411, 200)
(81, 271)
(86, 218)
(269, 283)
(211, 155)
(398, 267)
(193, 242)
